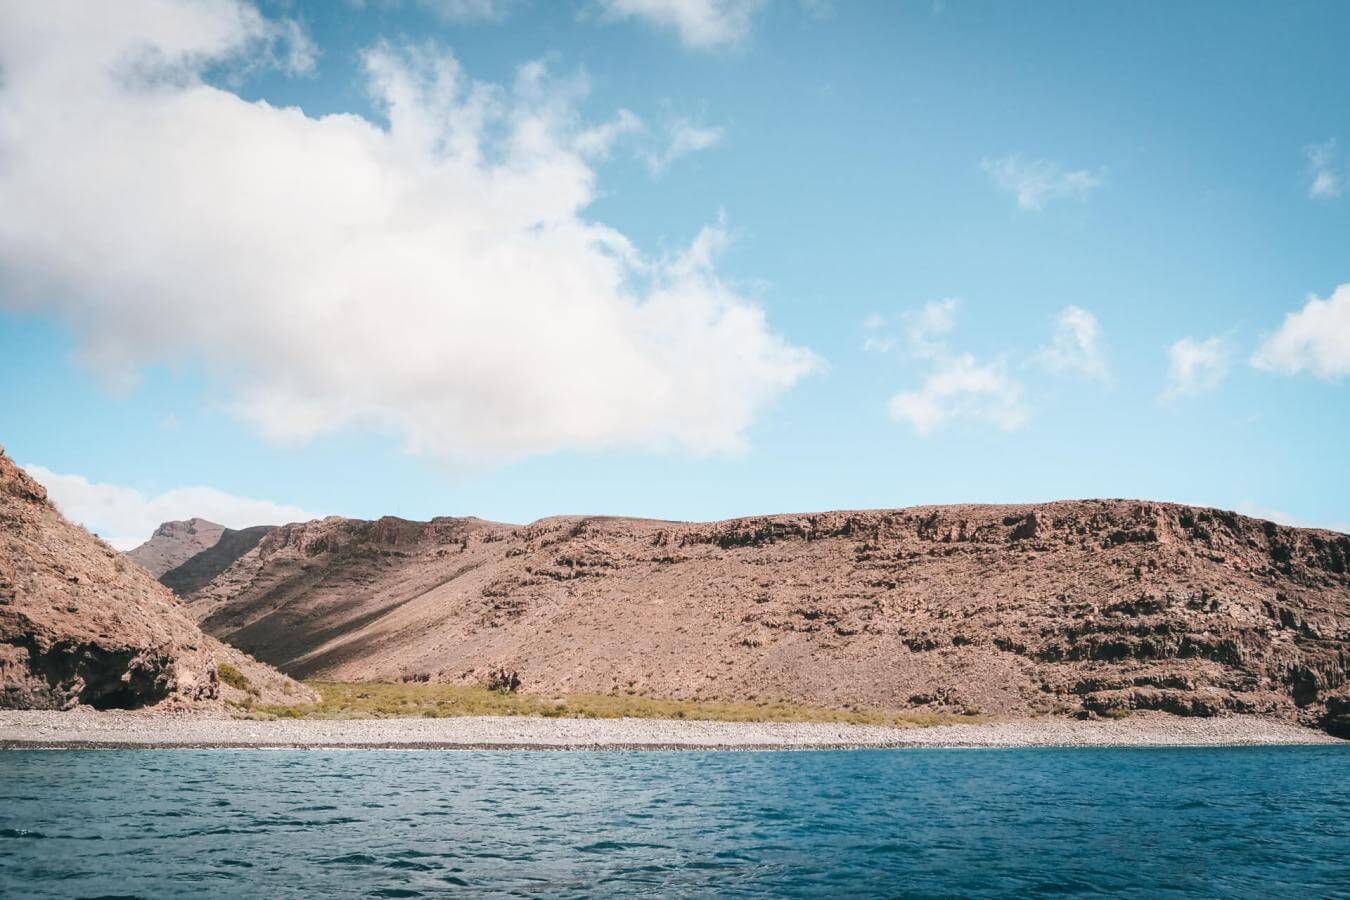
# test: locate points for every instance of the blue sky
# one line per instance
(706, 258)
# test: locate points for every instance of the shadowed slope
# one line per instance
(174, 543)
(198, 571)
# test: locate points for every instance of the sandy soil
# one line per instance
(139, 730)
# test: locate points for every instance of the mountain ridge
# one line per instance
(1073, 607)
(174, 543)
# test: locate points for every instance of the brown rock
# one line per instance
(1014, 610)
(174, 543)
(79, 624)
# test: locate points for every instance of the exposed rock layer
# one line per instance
(1075, 607)
(80, 624)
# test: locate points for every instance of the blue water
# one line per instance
(213, 823)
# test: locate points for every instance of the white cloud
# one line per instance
(597, 142)
(1196, 367)
(926, 330)
(1325, 180)
(1075, 346)
(957, 386)
(961, 388)
(873, 343)
(874, 339)
(1035, 183)
(436, 278)
(682, 138)
(1315, 338)
(126, 518)
(470, 10)
(702, 24)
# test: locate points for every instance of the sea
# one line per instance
(1230, 822)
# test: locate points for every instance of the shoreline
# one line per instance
(90, 730)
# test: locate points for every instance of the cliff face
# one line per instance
(1073, 607)
(79, 624)
(174, 543)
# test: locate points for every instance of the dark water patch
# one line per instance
(1137, 823)
(351, 859)
(22, 833)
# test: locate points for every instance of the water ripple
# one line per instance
(1137, 823)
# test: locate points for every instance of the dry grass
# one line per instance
(234, 678)
(391, 701)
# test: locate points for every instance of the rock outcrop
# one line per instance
(1079, 607)
(80, 624)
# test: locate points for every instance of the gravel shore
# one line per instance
(88, 729)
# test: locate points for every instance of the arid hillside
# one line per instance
(80, 624)
(174, 543)
(1086, 607)
(197, 571)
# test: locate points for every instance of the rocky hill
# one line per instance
(79, 624)
(197, 571)
(174, 543)
(1081, 607)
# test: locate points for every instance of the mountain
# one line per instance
(79, 624)
(197, 571)
(186, 555)
(1077, 607)
(174, 543)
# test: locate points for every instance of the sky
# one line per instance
(684, 259)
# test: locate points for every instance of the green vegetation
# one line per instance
(385, 701)
(234, 678)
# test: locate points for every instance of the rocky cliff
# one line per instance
(79, 624)
(1082, 607)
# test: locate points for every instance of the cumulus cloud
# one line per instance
(126, 518)
(1315, 339)
(1196, 367)
(701, 24)
(433, 275)
(957, 386)
(1036, 182)
(1325, 179)
(1075, 346)
(960, 387)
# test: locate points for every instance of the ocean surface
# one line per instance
(1242, 822)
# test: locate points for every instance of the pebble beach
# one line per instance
(128, 730)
